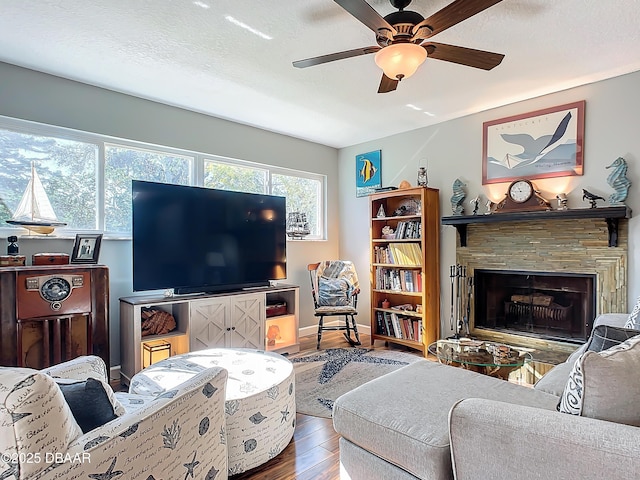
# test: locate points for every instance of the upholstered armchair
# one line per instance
(181, 433)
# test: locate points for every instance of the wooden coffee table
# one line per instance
(489, 358)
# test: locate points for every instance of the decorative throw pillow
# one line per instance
(90, 402)
(634, 318)
(605, 385)
(333, 292)
(604, 337)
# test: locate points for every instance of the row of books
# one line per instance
(398, 254)
(399, 326)
(409, 229)
(398, 279)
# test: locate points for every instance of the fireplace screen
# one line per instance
(554, 306)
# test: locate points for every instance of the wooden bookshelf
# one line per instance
(405, 267)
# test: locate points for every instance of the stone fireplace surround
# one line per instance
(572, 246)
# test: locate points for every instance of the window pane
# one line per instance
(124, 164)
(303, 195)
(63, 166)
(226, 176)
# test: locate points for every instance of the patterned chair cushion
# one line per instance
(605, 385)
(333, 292)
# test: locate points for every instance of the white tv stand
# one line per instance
(231, 319)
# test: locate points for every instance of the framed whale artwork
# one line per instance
(368, 173)
(542, 144)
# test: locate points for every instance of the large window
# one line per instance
(303, 191)
(87, 177)
(304, 195)
(226, 176)
(66, 171)
(123, 164)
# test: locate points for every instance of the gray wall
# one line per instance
(30, 95)
(453, 150)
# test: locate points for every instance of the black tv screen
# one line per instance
(195, 239)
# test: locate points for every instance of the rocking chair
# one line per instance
(335, 288)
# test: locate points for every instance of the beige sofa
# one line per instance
(436, 422)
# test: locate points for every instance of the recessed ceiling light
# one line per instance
(247, 27)
(410, 105)
(202, 5)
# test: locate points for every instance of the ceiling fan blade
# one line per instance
(450, 15)
(310, 62)
(387, 84)
(463, 55)
(366, 14)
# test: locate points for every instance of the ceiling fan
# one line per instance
(402, 39)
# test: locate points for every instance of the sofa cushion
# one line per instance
(604, 337)
(634, 317)
(605, 385)
(555, 380)
(402, 417)
(91, 401)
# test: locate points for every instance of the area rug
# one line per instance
(322, 376)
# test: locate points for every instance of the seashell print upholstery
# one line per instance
(173, 436)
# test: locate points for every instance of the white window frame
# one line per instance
(196, 173)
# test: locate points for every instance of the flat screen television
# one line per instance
(195, 239)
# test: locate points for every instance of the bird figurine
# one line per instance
(475, 201)
(618, 180)
(592, 197)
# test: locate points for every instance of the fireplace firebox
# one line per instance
(546, 305)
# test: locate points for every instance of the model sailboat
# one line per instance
(34, 211)
(297, 225)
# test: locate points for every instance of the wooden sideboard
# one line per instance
(232, 319)
(50, 314)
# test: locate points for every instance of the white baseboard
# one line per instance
(114, 373)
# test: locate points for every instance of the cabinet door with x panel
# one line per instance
(208, 323)
(247, 321)
(233, 321)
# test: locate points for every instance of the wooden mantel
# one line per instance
(611, 215)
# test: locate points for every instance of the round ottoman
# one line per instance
(260, 398)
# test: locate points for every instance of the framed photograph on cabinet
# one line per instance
(542, 144)
(368, 173)
(86, 248)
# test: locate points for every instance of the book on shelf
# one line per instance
(399, 280)
(397, 332)
(408, 229)
(399, 326)
(417, 330)
(398, 254)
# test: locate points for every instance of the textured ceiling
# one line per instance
(186, 53)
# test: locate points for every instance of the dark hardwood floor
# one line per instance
(313, 454)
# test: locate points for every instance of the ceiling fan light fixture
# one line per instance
(400, 60)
